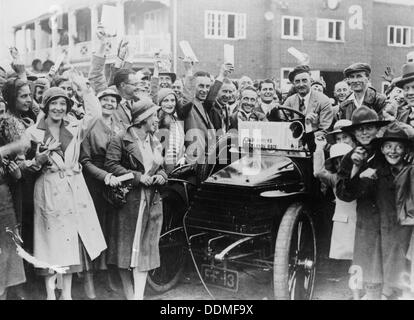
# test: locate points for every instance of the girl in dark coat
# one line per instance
(18, 117)
(381, 243)
(11, 265)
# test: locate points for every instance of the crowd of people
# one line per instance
(83, 137)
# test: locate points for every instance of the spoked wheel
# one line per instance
(295, 256)
(172, 248)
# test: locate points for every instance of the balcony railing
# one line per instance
(141, 46)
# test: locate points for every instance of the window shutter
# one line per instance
(390, 35)
(321, 29)
(241, 23)
(238, 26)
(411, 44)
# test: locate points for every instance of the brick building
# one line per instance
(334, 33)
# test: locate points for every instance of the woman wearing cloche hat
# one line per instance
(66, 227)
(136, 230)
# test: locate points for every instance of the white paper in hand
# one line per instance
(188, 51)
(108, 20)
(126, 177)
(229, 54)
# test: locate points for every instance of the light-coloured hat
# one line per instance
(142, 110)
(337, 150)
(163, 93)
(330, 137)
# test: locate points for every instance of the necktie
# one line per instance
(302, 107)
(226, 118)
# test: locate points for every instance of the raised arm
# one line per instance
(225, 72)
(189, 82)
(91, 103)
(123, 51)
(319, 170)
(97, 70)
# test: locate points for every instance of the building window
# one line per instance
(330, 30)
(152, 22)
(400, 36)
(225, 25)
(292, 28)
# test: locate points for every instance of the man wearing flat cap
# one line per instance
(316, 107)
(358, 78)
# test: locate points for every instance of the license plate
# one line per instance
(222, 278)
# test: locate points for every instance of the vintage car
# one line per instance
(254, 208)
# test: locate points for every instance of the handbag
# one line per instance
(116, 196)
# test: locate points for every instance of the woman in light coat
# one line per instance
(67, 232)
(134, 241)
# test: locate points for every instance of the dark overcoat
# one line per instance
(381, 244)
(123, 157)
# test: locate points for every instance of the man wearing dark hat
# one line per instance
(358, 77)
(315, 106)
(405, 112)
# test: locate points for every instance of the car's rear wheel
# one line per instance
(295, 256)
(172, 246)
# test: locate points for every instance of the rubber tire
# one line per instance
(162, 288)
(169, 285)
(282, 251)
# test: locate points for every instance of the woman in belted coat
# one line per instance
(92, 158)
(136, 230)
(66, 230)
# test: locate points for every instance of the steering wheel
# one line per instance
(288, 117)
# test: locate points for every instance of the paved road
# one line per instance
(331, 284)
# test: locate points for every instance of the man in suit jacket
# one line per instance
(220, 112)
(316, 107)
(127, 83)
(198, 127)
